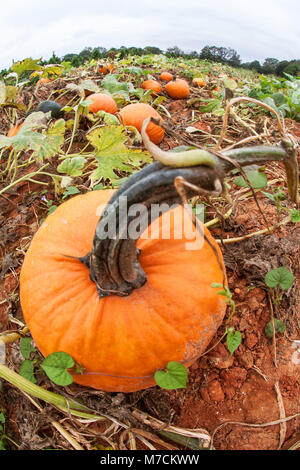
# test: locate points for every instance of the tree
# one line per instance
(174, 52)
(293, 68)
(76, 61)
(232, 58)
(86, 53)
(54, 59)
(269, 65)
(254, 65)
(152, 50)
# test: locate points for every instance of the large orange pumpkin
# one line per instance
(134, 115)
(102, 102)
(124, 310)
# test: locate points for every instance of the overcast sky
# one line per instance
(256, 29)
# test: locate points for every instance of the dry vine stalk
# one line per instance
(225, 161)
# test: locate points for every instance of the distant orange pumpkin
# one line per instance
(166, 76)
(102, 102)
(106, 68)
(152, 85)
(14, 130)
(43, 81)
(134, 115)
(197, 81)
(178, 89)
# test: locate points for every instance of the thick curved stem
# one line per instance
(113, 261)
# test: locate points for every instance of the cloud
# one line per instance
(256, 29)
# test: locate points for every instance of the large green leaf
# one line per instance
(44, 144)
(112, 153)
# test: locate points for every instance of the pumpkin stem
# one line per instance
(113, 261)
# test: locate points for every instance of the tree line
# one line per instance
(224, 55)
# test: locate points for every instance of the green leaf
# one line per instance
(210, 106)
(72, 166)
(111, 153)
(45, 144)
(111, 84)
(257, 179)
(230, 83)
(71, 190)
(279, 98)
(295, 215)
(27, 371)
(55, 366)
(279, 327)
(233, 340)
(280, 276)
(26, 347)
(2, 418)
(108, 118)
(174, 377)
(134, 70)
(88, 85)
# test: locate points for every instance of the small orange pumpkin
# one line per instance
(197, 81)
(152, 85)
(166, 76)
(178, 89)
(102, 102)
(105, 68)
(43, 81)
(134, 115)
(14, 130)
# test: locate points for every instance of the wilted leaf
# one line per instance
(44, 144)
(279, 327)
(88, 85)
(2, 92)
(26, 64)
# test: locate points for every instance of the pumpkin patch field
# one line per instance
(116, 333)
